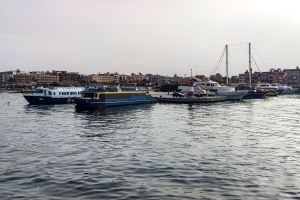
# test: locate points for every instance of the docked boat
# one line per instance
(289, 90)
(220, 90)
(284, 89)
(271, 93)
(54, 95)
(253, 94)
(266, 87)
(106, 97)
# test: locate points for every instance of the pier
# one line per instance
(163, 97)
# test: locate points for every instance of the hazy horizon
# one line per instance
(149, 36)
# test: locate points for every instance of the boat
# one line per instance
(271, 93)
(217, 89)
(54, 95)
(289, 90)
(253, 94)
(107, 97)
(284, 89)
(266, 87)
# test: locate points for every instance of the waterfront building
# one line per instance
(201, 77)
(135, 78)
(23, 78)
(38, 77)
(159, 79)
(8, 76)
(46, 78)
(218, 78)
(272, 76)
(277, 76)
(293, 76)
(101, 78)
(234, 79)
(65, 76)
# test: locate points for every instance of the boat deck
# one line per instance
(164, 97)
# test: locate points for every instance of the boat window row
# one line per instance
(63, 93)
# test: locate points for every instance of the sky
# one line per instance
(149, 36)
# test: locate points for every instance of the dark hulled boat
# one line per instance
(104, 97)
(254, 95)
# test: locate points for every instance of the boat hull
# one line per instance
(289, 91)
(254, 95)
(84, 103)
(38, 100)
(237, 95)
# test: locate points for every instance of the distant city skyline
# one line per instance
(160, 37)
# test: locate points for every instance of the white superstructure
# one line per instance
(213, 86)
(58, 92)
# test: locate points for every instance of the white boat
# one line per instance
(266, 86)
(214, 87)
(289, 90)
(54, 95)
(221, 90)
(284, 89)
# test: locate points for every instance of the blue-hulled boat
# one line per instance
(106, 97)
(54, 95)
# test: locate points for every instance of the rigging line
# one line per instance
(216, 66)
(218, 62)
(221, 60)
(255, 63)
(237, 44)
(266, 65)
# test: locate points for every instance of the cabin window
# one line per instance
(53, 93)
(67, 93)
(39, 91)
(59, 93)
(78, 93)
(49, 92)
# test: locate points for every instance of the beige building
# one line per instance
(46, 78)
(33, 77)
(102, 78)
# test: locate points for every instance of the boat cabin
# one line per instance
(59, 92)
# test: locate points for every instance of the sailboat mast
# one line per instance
(250, 68)
(226, 51)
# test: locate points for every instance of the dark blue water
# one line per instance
(241, 150)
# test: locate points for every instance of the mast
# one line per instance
(250, 69)
(226, 51)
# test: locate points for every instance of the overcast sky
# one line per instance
(148, 36)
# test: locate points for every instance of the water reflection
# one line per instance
(125, 110)
(227, 150)
(100, 122)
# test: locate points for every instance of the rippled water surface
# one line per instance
(232, 150)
